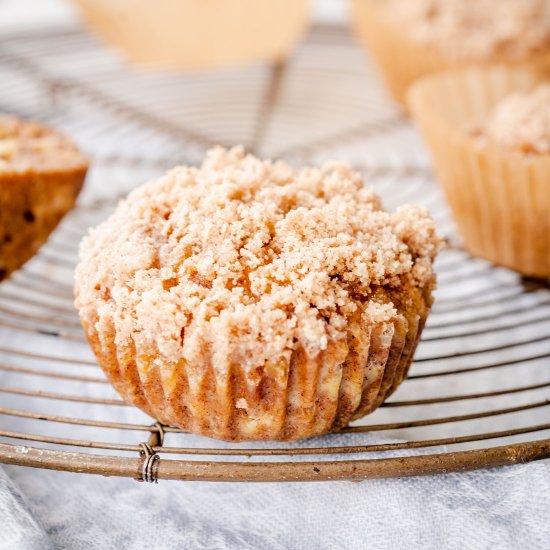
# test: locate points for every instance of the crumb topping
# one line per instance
(478, 31)
(522, 121)
(251, 257)
(29, 146)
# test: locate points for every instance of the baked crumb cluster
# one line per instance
(249, 259)
(522, 121)
(28, 146)
(476, 30)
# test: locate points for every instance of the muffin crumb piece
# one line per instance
(521, 121)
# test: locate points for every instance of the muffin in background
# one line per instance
(413, 38)
(521, 122)
(41, 174)
(246, 300)
(488, 131)
(198, 34)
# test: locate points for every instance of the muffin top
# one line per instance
(31, 147)
(252, 257)
(521, 121)
(478, 30)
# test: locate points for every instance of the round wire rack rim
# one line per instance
(470, 332)
(350, 449)
(350, 470)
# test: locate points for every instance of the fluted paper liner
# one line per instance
(198, 34)
(301, 397)
(401, 59)
(500, 198)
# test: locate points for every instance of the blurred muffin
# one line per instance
(41, 174)
(412, 38)
(521, 122)
(489, 135)
(245, 300)
(197, 34)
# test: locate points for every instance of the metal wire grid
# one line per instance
(478, 391)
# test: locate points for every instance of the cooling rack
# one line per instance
(478, 393)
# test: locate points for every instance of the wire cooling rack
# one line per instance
(478, 392)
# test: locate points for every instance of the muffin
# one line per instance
(413, 38)
(489, 134)
(41, 174)
(245, 300)
(198, 34)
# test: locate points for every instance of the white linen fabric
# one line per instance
(503, 508)
(20, 528)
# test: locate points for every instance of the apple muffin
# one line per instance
(246, 300)
(410, 39)
(521, 121)
(488, 131)
(41, 174)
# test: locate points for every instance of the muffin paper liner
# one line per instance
(287, 399)
(198, 34)
(401, 59)
(500, 198)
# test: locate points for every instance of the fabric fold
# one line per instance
(20, 529)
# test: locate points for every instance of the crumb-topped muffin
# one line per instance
(521, 121)
(475, 31)
(413, 38)
(41, 174)
(246, 300)
(489, 135)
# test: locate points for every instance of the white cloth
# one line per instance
(19, 526)
(506, 509)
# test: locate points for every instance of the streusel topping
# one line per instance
(522, 121)
(27, 147)
(477, 30)
(251, 257)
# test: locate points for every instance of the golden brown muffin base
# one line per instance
(41, 174)
(298, 398)
(31, 206)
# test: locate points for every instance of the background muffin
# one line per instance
(521, 122)
(194, 34)
(244, 300)
(41, 174)
(412, 38)
(489, 135)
